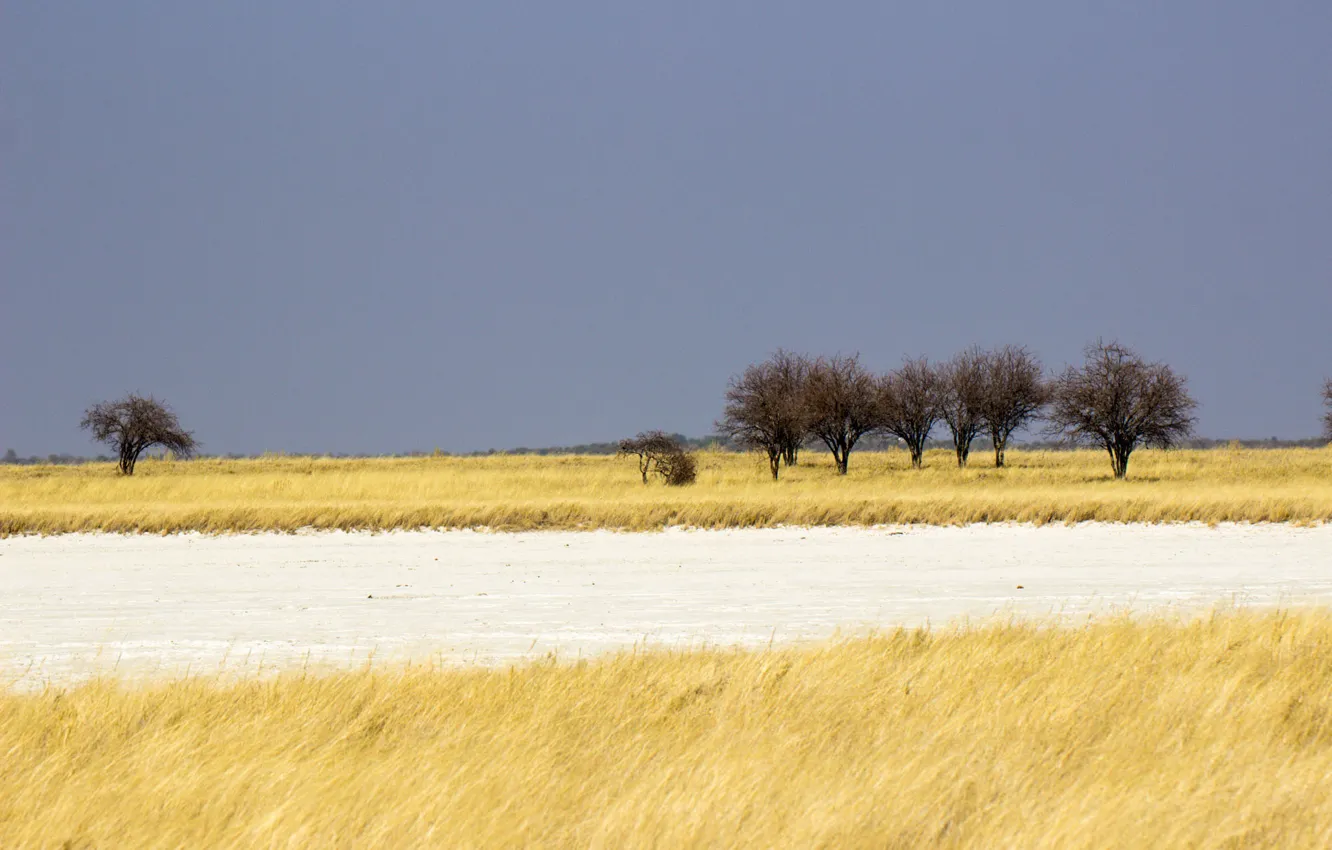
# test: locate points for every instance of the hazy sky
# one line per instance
(325, 226)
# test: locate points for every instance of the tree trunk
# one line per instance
(1000, 444)
(774, 463)
(1119, 457)
(962, 452)
(791, 455)
(128, 456)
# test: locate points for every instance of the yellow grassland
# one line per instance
(733, 490)
(1215, 733)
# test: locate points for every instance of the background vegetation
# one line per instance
(733, 490)
(1216, 733)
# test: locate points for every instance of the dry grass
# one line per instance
(1122, 733)
(528, 492)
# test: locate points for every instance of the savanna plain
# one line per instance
(526, 492)
(1161, 730)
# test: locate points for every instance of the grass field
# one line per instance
(573, 492)
(1211, 733)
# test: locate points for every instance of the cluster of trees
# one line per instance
(662, 453)
(1115, 400)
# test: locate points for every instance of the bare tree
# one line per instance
(1015, 394)
(765, 408)
(790, 372)
(135, 424)
(650, 447)
(909, 405)
(1118, 401)
(1327, 417)
(841, 404)
(962, 386)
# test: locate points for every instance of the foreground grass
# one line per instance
(530, 492)
(1216, 733)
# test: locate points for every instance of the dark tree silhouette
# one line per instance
(962, 385)
(1015, 394)
(135, 424)
(841, 404)
(1327, 417)
(678, 468)
(765, 408)
(790, 371)
(662, 453)
(909, 405)
(1118, 401)
(649, 447)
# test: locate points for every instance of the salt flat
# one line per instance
(76, 604)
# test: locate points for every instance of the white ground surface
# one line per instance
(78, 604)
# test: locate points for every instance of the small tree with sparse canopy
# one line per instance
(765, 408)
(1015, 394)
(135, 424)
(841, 405)
(662, 453)
(909, 405)
(1327, 417)
(962, 386)
(649, 447)
(1119, 401)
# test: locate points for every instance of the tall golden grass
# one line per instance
(571, 492)
(1215, 733)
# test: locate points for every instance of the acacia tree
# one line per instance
(134, 424)
(765, 408)
(909, 405)
(1118, 401)
(841, 404)
(1014, 396)
(1327, 417)
(651, 448)
(962, 386)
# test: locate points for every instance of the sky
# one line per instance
(385, 227)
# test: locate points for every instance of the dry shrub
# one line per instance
(678, 469)
(666, 455)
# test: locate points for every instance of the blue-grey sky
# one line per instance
(378, 227)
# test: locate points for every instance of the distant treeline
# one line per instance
(715, 442)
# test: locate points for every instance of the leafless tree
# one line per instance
(790, 372)
(909, 405)
(1015, 394)
(650, 447)
(1118, 401)
(137, 423)
(765, 408)
(841, 404)
(962, 386)
(1327, 402)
